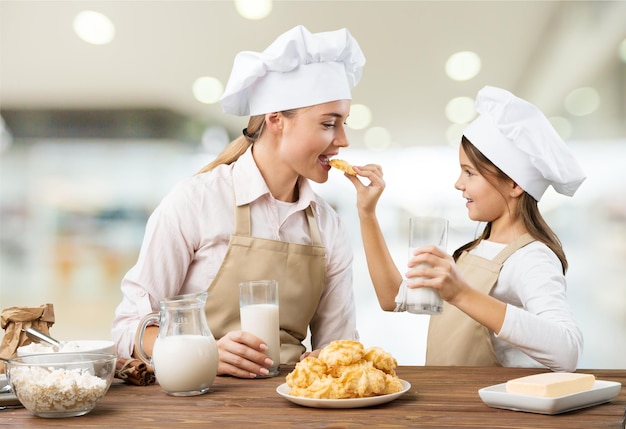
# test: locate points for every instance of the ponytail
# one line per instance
(237, 147)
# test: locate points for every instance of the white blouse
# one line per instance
(187, 237)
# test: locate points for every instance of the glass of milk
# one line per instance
(258, 306)
(424, 231)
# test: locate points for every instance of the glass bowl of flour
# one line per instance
(61, 384)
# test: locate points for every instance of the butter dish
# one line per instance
(497, 397)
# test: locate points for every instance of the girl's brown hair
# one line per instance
(527, 209)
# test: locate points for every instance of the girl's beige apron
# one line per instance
(300, 270)
(454, 338)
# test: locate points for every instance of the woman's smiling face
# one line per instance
(312, 136)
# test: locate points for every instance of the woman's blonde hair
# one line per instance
(527, 209)
(237, 147)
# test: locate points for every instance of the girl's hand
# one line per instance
(367, 195)
(241, 354)
(432, 267)
(445, 278)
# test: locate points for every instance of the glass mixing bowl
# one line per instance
(61, 384)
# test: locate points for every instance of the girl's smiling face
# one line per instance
(485, 202)
(312, 136)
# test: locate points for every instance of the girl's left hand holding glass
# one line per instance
(432, 267)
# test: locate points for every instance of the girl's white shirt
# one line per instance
(187, 237)
(539, 328)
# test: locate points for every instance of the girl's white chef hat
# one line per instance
(299, 69)
(519, 139)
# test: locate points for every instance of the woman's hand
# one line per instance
(242, 355)
(432, 267)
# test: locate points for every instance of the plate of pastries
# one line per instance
(344, 375)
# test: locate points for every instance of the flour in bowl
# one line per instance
(49, 389)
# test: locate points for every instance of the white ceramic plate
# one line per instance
(496, 396)
(283, 390)
(7, 398)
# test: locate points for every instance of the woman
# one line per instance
(505, 292)
(252, 214)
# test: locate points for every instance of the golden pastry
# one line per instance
(345, 369)
(381, 359)
(342, 165)
(306, 372)
(341, 353)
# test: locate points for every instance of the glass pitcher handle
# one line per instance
(139, 350)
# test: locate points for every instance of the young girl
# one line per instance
(505, 292)
(252, 214)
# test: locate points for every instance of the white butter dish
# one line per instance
(497, 397)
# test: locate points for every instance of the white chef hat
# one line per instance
(299, 69)
(519, 139)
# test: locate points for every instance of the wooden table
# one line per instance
(440, 397)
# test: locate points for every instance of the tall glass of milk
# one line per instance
(424, 231)
(184, 356)
(258, 306)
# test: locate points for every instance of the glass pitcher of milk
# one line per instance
(184, 356)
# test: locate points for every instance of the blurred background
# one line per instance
(105, 105)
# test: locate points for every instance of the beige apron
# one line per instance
(456, 339)
(300, 270)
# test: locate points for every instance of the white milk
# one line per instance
(185, 363)
(423, 300)
(262, 320)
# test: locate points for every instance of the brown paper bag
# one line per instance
(14, 319)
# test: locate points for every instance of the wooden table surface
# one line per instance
(439, 397)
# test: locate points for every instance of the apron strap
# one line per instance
(518, 243)
(316, 240)
(242, 220)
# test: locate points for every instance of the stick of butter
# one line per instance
(551, 384)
